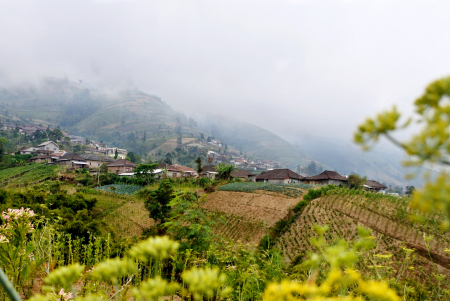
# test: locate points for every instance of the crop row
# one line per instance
(37, 174)
(391, 213)
(238, 228)
(297, 239)
(11, 172)
(292, 190)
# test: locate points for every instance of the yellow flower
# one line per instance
(154, 247)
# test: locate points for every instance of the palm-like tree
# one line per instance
(225, 170)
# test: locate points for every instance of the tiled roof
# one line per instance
(122, 162)
(327, 175)
(183, 168)
(375, 184)
(45, 143)
(94, 157)
(241, 173)
(210, 168)
(68, 156)
(279, 174)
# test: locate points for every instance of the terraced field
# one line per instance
(249, 215)
(255, 207)
(292, 190)
(130, 219)
(240, 229)
(34, 175)
(343, 214)
(9, 173)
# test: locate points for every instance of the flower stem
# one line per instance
(8, 287)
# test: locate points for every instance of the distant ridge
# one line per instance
(256, 141)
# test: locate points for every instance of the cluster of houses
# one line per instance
(240, 161)
(27, 129)
(50, 149)
(123, 167)
(89, 161)
(285, 176)
(326, 177)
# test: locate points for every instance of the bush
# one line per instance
(300, 206)
(210, 188)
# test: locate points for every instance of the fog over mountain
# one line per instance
(314, 68)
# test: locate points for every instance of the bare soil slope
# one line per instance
(249, 215)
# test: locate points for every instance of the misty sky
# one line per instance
(289, 66)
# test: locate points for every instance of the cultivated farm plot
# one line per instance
(343, 218)
(248, 215)
(267, 209)
(120, 189)
(130, 219)
(5, 174)
(171, 144)
(39, 173)
(391, 216)
(292, 190)
(239, 229)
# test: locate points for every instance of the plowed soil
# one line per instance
(248, 215)
(260, 207)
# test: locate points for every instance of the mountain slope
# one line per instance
(256, 141)
(383, 163)
(93, 113)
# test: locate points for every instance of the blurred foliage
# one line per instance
(431, 145)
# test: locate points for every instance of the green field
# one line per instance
(39, 173)
(10, 172)
(120, 189)
(292, 190)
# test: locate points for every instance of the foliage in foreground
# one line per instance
(141, 272)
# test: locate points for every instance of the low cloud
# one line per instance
(295, 66)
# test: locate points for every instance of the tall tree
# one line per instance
(355, 181)
(145, 171)
(158, 201)
(410, 190)
(199, 165)
(3, 143)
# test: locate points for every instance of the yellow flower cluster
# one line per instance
(154, 248)
(334, 288)
(65, 277)
(113, 269)
(204, 281)
(151, 289)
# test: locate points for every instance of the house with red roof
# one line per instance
(121, 166)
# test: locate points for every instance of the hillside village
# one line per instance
(91, 155)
